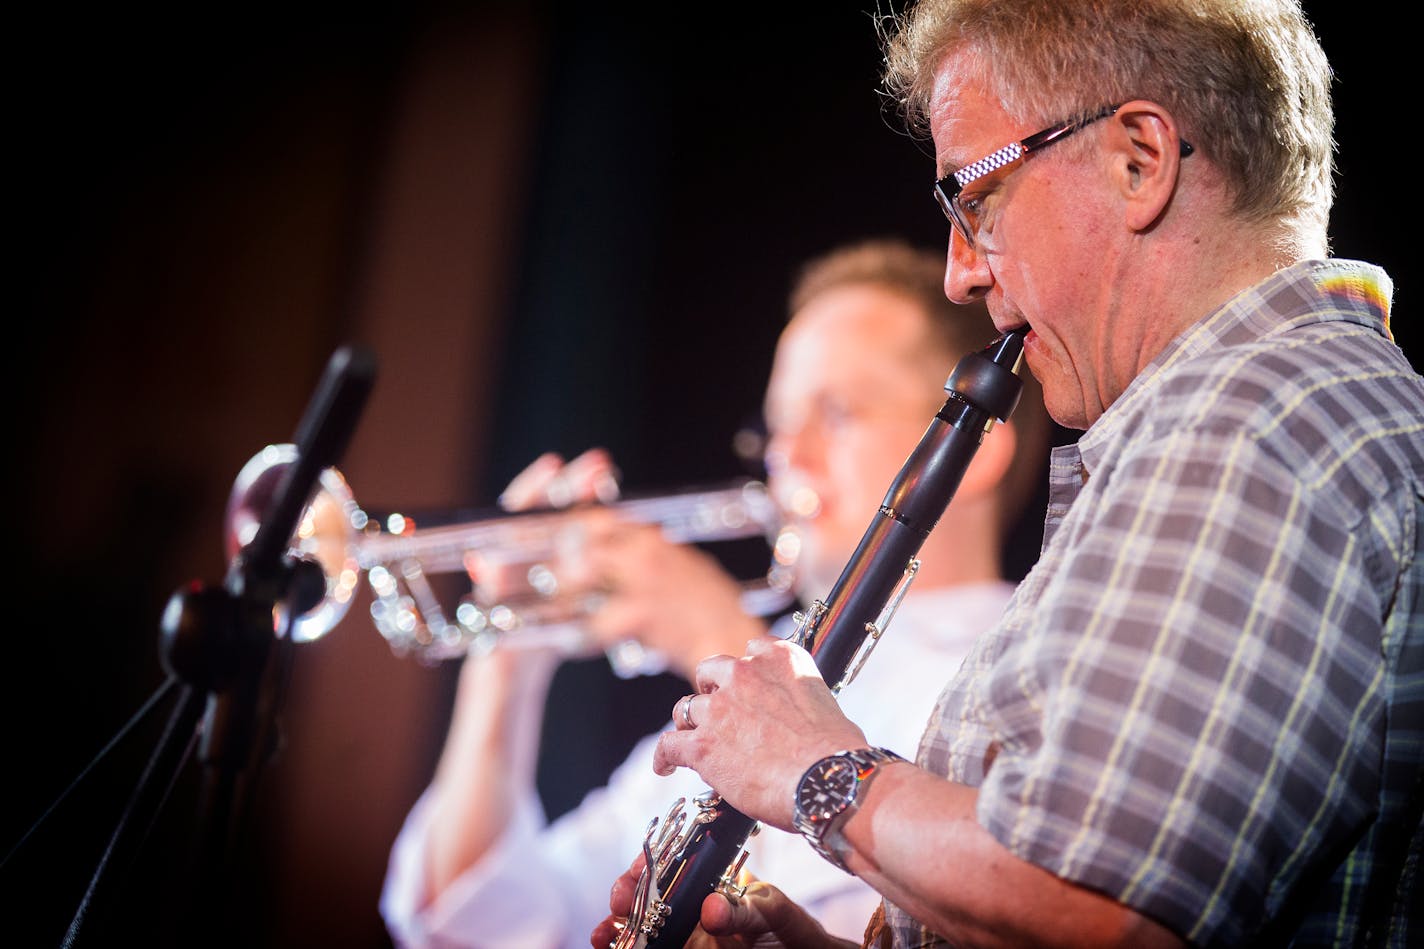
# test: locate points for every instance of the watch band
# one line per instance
(836, 801)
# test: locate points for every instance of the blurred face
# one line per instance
(1043, 254)
(853, 387)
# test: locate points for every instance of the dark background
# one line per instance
(555, 229)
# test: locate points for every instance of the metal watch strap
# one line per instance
(866, 759)
(824, 835)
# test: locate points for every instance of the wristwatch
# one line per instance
(830, 792)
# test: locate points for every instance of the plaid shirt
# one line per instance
(1207, 699)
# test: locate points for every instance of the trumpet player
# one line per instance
(857, 373)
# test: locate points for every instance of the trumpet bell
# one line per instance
(325, 533)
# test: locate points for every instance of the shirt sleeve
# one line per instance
(500, 897)
(1193, 705)
(539, 885)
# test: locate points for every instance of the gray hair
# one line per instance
(1246, 80)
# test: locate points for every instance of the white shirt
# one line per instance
(546, 885)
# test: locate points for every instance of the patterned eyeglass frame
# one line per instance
(948, 188)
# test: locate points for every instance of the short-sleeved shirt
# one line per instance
(1206, 701)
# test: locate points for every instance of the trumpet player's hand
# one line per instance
(549, 481)
(502, 574)
(672, 598)
(754, 726)
(762, 917)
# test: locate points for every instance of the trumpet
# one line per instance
(400, 563)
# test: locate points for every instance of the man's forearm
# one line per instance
(916, 840)
(488, 761)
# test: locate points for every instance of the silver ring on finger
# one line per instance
(687, 711)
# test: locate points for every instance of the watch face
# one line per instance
(824, 792)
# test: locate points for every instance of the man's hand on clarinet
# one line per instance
(762, 917)
(754, 726)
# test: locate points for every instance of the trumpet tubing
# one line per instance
(401, 562)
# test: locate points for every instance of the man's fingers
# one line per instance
(620, 897)
(527, 490)
(671, 751)
(762, 910)
(620, 904)
(712, 672)
(722, 917)
(550, 482)
(605, 933)
(591, 477)
(757, 647)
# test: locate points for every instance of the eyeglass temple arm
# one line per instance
(1049, 136)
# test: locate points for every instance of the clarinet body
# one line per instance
(690, 855)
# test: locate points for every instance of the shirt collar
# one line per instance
(1351, 291)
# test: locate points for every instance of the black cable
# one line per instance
(138, 716)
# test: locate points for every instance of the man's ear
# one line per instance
(1146, 154)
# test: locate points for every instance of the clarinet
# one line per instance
(689, 855)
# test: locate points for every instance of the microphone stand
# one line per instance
(228, 648)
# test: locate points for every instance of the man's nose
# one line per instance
(966, 274)
(794, 465)
(798, 448)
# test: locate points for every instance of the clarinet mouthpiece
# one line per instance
(989, 379)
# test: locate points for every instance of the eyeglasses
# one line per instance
(964, 215)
